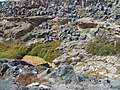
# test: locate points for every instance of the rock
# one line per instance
(73, 63)
(11, 73)
(17, 63)
(42, 67)
(101, 33)
(33, 84)
(44, 87)
(65, 74)
(8, 85)
(112, 70)
(56, 62)
(12, 68)
(75, 59)
(45, 65)
(73, 22)
(44, 73)
(109, 75)
(3, 61)
(83, 37)
(67, 87)
(115, 83)
(3, 69)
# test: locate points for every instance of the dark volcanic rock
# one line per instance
(16, 63)
(45, 65)
(3, 69)
(12, 69)
(11, 72)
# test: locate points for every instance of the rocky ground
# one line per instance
(89, 36)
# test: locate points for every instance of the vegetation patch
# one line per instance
(81, 56)
(118, 70)
(11, 50)
(103, 47)
(47, 51)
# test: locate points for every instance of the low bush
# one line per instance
(21, 52)
(102, 47)
(46, 50)
(118, 70)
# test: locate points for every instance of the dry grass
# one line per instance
(7, 48)
(82, 63)
(1, 78)
(25, 79)
(103, 47)
(29, 78)
(8, 45)
(34, 60)
(89, 72)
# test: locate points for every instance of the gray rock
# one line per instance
(8, 85)
(115, 83)
(83, 37)
(44, 73)
(101, 33)
(11, 72)
(65, 74)
(46, 65)
(3, 69)
(56, 62)
(44, 87)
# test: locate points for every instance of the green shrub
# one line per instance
(34, 51)
(20, 52)
(118, 46)
(42, 52)
(81, 56)
(48, 56)
(46, 50)
(2, 50)
(102, 47)
(118, 70)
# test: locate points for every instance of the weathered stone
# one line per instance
(83, 37)
(3, 69)
(66, 74)
(8, 85)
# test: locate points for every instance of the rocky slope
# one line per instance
(19, 75)
(88, 32)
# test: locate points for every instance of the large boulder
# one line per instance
(8, 85)
(65, 74)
